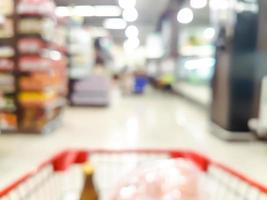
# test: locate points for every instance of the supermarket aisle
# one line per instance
(153, 120)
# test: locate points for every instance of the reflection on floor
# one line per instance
(151, 121)
(192, 91)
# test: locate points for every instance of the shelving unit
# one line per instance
(8, 104)
(39, 73)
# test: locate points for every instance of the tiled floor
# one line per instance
(154, 120)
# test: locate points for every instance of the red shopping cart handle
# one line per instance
(66, 159)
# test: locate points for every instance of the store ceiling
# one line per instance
(149, 13)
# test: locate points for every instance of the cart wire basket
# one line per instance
(61, 177)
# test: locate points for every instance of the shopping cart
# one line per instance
(60, 178)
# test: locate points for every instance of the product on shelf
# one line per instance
(36, 7)
(2, 103)
(38, 81)
(30, 45)
(6, 28)
(169, 179)
(6, 52)
(6, 64)
(80, 50)
(7, 82)
(35, 119)
(7, 102)
(8, 121)
(6, 7)
(37, 98)
(34, 63)
(41, 26)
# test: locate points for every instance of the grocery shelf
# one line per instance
(6, 70)
(27, 112)
(6, 41)
(34, 35)
(8, 130)
(36, 15)
(8, 92)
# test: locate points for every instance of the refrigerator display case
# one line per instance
(241, 57)
(195, 64)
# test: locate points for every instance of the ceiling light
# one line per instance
(62, 11)
(84, 11)
(219, 4)
(125, 4)
(89, 11)
(107, 11)
(115, 24)
(209, 33)
(185, 16)
(130, 15)
(131, 44)
(198, 4)
(132, 32)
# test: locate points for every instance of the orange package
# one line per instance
(8, 120)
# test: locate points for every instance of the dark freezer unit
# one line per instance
(241, 63)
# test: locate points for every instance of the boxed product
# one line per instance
(176, 179)
(34, 119)
(7, 102)
(1, 100)
(8, 121)
(6, 28)
(32, 63)
(6, 64)
(44, 27)
(7, 82)
(6, 7)
(31, 45)
(38, 80)
(6, 52)
(37, 98)
(39, 7)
